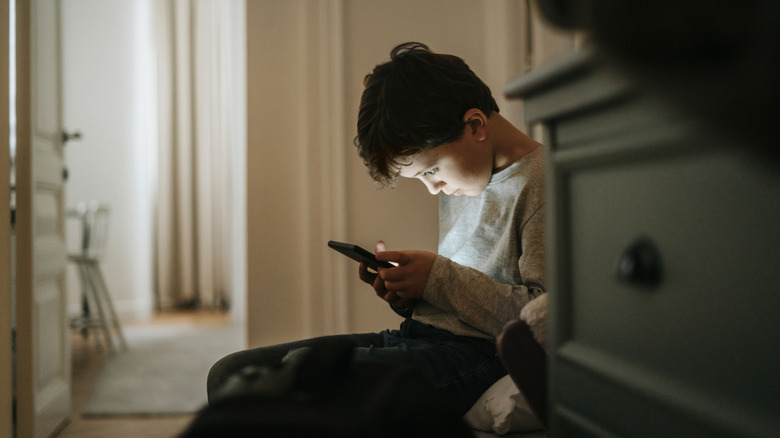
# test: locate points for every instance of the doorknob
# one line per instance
(67, 136)
(640, 264)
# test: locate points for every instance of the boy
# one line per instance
(427, 116)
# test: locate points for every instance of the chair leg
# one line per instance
(84, 314)
(103, 321)
(87, 296)
(104, 291)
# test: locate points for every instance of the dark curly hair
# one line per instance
(414, 102)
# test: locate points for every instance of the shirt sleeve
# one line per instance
(478, 300)
(404, 313)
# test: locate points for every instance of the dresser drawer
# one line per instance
(709, 323)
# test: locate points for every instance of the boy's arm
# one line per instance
(478, 300)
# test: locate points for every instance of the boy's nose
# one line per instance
(434, 187)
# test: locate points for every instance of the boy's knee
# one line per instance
(219, 373)
(295, 353)
(232, 364)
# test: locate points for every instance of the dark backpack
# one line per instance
(325, 394)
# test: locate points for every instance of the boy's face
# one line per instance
(460, 167)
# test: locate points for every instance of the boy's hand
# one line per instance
(408, 278)
(379, 285)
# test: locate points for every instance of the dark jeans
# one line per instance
(462, 368)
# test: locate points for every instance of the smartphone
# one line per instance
(358, 254)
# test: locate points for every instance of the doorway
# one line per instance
(117, 99)
(121, 95)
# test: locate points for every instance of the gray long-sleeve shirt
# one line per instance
(491, 253)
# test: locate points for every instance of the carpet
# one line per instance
(162, 372)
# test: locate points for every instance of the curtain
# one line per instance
(198, 106)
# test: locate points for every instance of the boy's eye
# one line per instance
(430, 172)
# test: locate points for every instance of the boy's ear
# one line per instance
(476, 123)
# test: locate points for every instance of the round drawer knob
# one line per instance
(640, 264)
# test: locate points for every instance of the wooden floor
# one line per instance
(87, 361)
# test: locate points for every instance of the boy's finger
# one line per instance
(397, 286)
(393, 256)
(391, 274)
(365, 275)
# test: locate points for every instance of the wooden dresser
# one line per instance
(663, 263)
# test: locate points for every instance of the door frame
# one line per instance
(6, 356)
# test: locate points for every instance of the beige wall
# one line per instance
(306, 185)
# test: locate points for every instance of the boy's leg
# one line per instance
(461, 368)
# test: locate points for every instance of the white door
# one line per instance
(43, 341)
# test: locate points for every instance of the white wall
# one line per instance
(107, 96)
